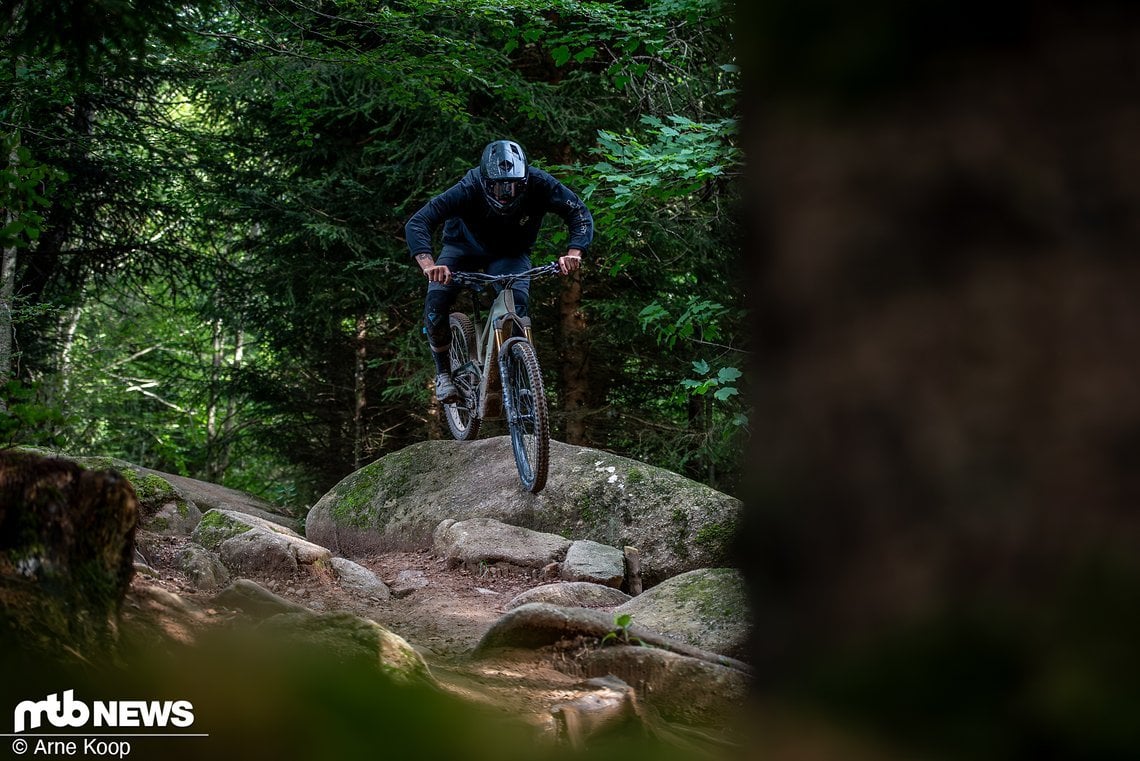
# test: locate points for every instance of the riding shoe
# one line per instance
(445, 390)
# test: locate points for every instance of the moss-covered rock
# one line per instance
(216, 527)
(396, 502)
(707, 608)
(249, 544)
(203, 568)
(163, 508)
(352, 641)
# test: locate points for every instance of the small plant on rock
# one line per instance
(622, 622)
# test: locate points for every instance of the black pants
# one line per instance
(440, 298)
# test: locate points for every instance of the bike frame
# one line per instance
(502, 323)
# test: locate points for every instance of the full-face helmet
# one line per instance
(503, 172)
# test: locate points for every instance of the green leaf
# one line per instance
(585, 54)
(12, 229)
(728, 374)
(700, 366)
(560, 54)
(724, 392)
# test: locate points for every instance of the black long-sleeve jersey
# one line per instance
(470, 222)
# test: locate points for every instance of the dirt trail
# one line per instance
(443, 620)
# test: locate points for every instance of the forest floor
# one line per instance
(441, 611)
(443, 619)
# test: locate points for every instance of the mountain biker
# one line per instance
(491, 219)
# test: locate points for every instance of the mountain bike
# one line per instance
(497, 375)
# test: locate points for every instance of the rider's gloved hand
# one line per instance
(570, 262)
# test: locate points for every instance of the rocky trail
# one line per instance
(530, 637)
(442, 611)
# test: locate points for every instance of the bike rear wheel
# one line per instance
(527, 419)
(463, 416)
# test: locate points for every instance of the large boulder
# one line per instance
(397, 501)
(210, 496)
(352, 641)
(681, 688)
(707, 608)
(259, 553)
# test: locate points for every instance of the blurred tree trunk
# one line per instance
(360, 392)
(575, 356)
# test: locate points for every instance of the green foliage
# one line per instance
(26, 417)
(26, 186)
(699, 317)
(662, 168)
(84, 34)
(221, 275)
(722, 381)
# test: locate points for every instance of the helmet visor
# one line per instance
(505, 191)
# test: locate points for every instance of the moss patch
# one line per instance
(354, 495)
(679, 533)
(216, 527)
(153, 491)
(716, 539)
(715, 593)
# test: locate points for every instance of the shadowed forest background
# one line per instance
(940, 236)
(205, 266)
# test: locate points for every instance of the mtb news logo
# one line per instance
(72, 713)
(67, 713)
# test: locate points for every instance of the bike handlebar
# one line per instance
(476, 279)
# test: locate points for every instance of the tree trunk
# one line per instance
(7, 292)
(575, 357)
(361, 397)
(65, 352)
(219, 423)
(212, 443)
(700, 414)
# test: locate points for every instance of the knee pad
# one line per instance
(435, 322)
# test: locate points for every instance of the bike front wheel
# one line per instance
(527, 418)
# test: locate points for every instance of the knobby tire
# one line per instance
(528, 421)
(463, 416)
